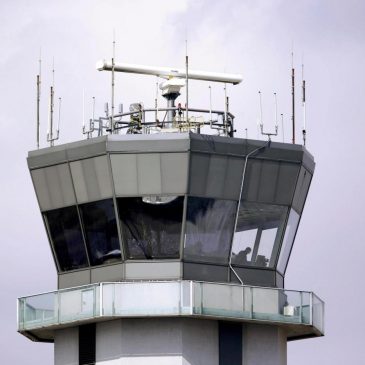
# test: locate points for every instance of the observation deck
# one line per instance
(171, 206)
(300, 313)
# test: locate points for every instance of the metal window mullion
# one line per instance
(83, 234)
(116, 209)
(183, 227)
(80, 219)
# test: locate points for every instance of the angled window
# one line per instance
(290, 231)
(65, 231)
(151, 226)
(209, 229)
(258, 234)
(101, 234)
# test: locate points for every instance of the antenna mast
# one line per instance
(113, 82)
(304, 109)
(156, 102)
(50, 137)
(293, 95)
(187, 79)
(39, 95)
(51, 106)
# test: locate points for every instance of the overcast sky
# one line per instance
(254, 38)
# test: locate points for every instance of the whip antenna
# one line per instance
(187, 79)
(113, 83)
(304, 131)
(156, 101)
(39, 95)
(50, 137)
(293, 95)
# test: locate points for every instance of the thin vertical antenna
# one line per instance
(293, 96)
(210, 105)
(156, 102)
(59, 116)
(187, 79)
(225, 108)
(276, 113)
(39, 95)
(51, 106)
(261, 119)
(83, 110)
(246, 132)
(50, 117)
(282, 126)
(113, 82)
(304, 131)
(53, 72)
(93, 115)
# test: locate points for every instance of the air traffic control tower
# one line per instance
(170, 245)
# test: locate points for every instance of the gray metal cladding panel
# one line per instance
(203, 272)
(150, 173)
(53, 187)
(124, 169)
(86, 148)
(288, 174)
(255, 277)
(162, 142)
(270, 181)
(301, 190)
(216, 144)
(107, 273)
(72, 279)
(91, 179)
(308, 161)
(153, 270)
(70, 151)
(279, 280)
(46, 157)
(198, 173)
(232, 185)
(174, 171)
(216, 176)
(239, 146)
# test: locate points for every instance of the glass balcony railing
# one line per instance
(169, 298)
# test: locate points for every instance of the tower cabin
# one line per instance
(170, 244)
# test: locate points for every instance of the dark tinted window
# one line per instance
(209, 229)
(87, 344)
(151, 226)
(230, 343)
(258, 234)
(101, 232)
(65, 231)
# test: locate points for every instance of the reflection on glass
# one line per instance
(65, 231)
(290, 232)
(258, 233)
(149, 230)
(209, 228)
(101, 232)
